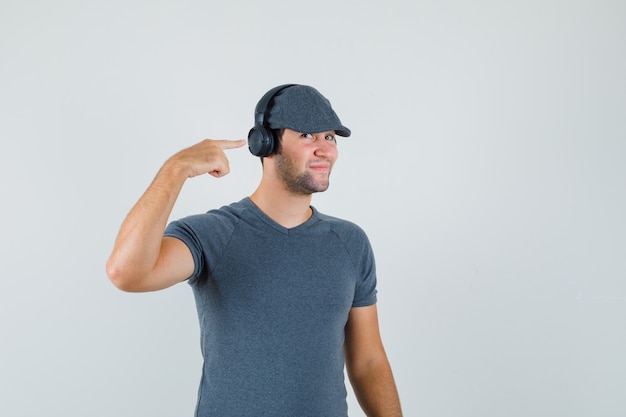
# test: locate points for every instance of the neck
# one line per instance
(281, 205)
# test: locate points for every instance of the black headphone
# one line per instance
(261, 140)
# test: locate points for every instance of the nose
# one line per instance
(325, 148)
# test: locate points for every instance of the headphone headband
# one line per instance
(263, 106)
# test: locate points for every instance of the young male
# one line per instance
(285, 294)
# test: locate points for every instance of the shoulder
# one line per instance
(346, 230)
(223, 219)
(339, 224)
(231, 212)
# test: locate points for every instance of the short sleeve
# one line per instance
(206, 235)
(365, 291)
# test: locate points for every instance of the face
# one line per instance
(305, 160)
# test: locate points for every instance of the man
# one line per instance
(285, 295)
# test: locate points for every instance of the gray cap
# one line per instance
(304, 109)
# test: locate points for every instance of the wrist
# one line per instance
(177, 168)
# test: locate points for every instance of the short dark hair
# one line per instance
(278, 138)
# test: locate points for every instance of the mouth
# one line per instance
(320, 167)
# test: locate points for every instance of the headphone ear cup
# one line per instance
(260, 141)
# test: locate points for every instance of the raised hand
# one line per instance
(206, 157)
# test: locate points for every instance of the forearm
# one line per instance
(375, 389)
(138, 243)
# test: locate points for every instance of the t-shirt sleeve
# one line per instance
(182, 230)
(365, 292)
(205, 235)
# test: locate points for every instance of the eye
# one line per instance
(309, 137)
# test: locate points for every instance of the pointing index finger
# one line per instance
(231, 144)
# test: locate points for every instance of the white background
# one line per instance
(487, 165)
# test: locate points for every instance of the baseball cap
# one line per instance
(304, 109)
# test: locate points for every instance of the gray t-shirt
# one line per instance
(273, 303)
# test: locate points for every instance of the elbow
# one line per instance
(121, 277)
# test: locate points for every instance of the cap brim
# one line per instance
(343, 131)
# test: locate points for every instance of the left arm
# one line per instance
(367, 365)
